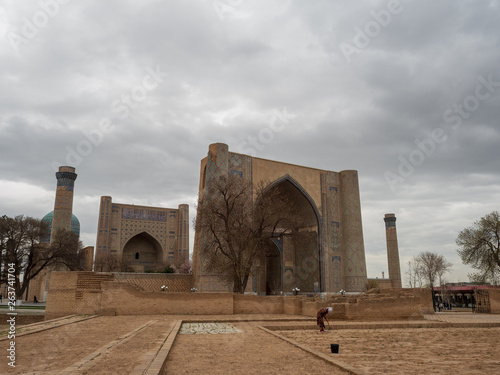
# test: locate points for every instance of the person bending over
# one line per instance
(320, 317)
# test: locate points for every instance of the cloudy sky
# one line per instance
(131, 93)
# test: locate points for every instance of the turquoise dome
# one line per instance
(75, 224)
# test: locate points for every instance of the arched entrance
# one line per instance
(273, 269)
(298, 252)
(142, 252)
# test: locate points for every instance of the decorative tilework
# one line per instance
(239, 173)
(142, 214)
(337, 273)
(340, 251)
(352, 233)
(131, 228)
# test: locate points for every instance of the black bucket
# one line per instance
(335, 348)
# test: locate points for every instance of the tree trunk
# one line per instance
(239, 285)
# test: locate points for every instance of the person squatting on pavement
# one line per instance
(320, 316)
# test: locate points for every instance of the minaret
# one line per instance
(63, 206)
(392, 250)
(182, 253)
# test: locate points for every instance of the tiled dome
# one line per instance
(75, 224)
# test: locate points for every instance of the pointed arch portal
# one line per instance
(142, 252)
(293, 261)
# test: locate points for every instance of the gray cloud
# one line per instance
(223, 79)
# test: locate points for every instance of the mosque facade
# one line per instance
(329, 202)
(143, 237)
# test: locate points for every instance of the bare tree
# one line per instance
(480, 248)
(65, 247)
(237, 221)
(185, 267)
(432, 266)
(109, 262)
(23, 251)
(414, 274)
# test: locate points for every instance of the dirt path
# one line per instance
(252, 352)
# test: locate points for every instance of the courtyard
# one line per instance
(443, 343)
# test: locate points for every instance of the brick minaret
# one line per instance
(182, 253)
(63, 207)
(392, 250)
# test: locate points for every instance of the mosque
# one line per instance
(332, 260)
(327, 255)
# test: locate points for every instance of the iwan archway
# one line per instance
(296, 255)
(325, 254)
(142, 252)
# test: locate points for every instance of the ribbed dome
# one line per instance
(75, 223)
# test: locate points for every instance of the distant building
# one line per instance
(143, 237)
(62, 216)
(75, 225)
(87, 258)
(394, 280)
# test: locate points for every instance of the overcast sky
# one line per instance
(131, 93)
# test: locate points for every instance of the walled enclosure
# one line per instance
(139, 294)
(330, 204)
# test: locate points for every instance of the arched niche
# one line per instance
(142, 252)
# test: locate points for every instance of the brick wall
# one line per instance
(250, 304)
(382, 283)
(124, 299)
(100, 293)
(494, 300)
(385, 304)
(153, 282)
(292, 305)
(61, 295)
(37, 287)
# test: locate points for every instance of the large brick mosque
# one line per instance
(329, 202)
(332, 260)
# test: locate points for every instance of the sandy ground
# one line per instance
(253, 351)
(54, 350)
(126, 356)
(465, 351)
